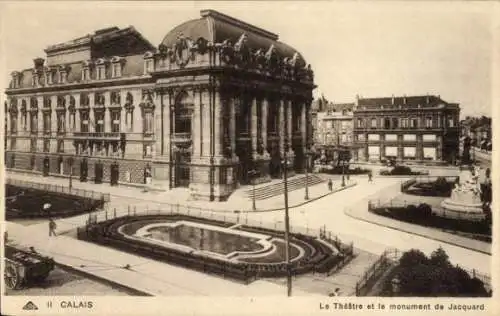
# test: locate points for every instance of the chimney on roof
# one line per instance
(427, 99)
(356, 101)
(392, 99)
(404, 99)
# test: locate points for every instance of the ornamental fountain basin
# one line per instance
(208, 240)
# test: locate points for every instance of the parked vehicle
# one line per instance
(24, 268)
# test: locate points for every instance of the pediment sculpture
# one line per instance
(183, 50)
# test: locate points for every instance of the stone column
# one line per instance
(253, 127)
(219, 102)
(166, 122)
(39, 114)
(282, 132)
(196, 124)
(107, 113)
(232, 126)
(123, 111)
(265, 105)
(77, 113)
(439, 149)
(303, 124)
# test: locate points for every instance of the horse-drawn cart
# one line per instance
(23, 268)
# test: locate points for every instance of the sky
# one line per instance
(371, 49)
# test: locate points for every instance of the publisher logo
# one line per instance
(30, 306)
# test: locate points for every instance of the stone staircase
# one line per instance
(275, 189)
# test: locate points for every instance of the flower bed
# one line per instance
(317, 257)
(422, 215)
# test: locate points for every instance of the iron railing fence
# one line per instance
(105, 197)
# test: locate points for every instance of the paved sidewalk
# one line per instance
(181, 196)
(145, 275)
(360, 212)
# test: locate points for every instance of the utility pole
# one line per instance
(287, 225)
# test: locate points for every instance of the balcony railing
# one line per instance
(97, 135)
(181, 137)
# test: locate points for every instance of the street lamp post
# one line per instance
(306, 197)
(287, 226)
(70, 162)
(253, 173)
(343, 173)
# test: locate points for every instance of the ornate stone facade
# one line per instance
(217, 99)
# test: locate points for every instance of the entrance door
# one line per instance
(243, 151)
(84, 169)
(182, 168)
(61, 166)
(275, 163)
(46, 166)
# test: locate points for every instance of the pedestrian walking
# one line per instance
(52, 227)
(330, 184)
(370, 176)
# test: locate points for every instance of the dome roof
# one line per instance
(216, 27)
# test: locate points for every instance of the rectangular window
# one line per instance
(33, 145)
(86, 74)
(129, 118)
(117, 70)
(429, 153)
(451, 121)
(99, 120)
(34, 123)
(391, 151)
(60, 146)
(46, 123)
(46, 145)
(13, 124)
(148, 123)
(409, 152)
(361, 137)
(404, 123)
(360, 123)
(84, 124)
(148, 67)
(391, 137)
(72, 121)
(428, 122)
(63, 77)
(101, 73)
(13, 143)
(413, 123)
(115, 122)
(409, 137)
(429, 137)
(387, 123)
(395, 122)
(373, 123)
(374, 137)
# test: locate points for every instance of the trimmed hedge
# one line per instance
(421, 214)
(401, 171)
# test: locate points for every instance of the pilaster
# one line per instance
(282, 132)
(253, 126)
(232, 126)
(92, 121)
(265, 105)
(77, 113)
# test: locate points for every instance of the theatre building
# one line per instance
(408, 128)
(217, 99)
